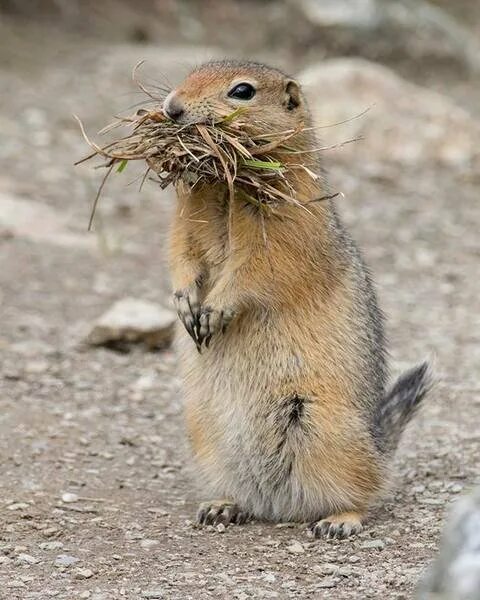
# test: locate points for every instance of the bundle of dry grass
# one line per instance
(229, 150)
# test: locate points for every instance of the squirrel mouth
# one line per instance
(186, 119)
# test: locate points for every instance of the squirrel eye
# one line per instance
(242, 91)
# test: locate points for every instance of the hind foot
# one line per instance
(221, 511)
(338, 526)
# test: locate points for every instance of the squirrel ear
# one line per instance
(293, 96)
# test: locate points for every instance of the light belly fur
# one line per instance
(246, 446)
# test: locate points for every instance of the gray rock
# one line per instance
(455, 574)
(65, 560)
(131, 320)
(27, 559)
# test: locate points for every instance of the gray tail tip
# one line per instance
(406, 395)
(414, 384)
(402, 401)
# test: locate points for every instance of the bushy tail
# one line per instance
(400, 404)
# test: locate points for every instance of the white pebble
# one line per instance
(68, 497)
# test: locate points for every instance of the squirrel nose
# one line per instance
(173, 108)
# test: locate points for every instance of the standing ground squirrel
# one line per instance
(286, 406)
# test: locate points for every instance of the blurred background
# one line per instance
(96, 495)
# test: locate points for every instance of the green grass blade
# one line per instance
(233, 115)
(263, 164)
(122, 165)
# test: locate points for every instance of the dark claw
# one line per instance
(203, 329)
(325, 527)
(188, 324)
(221, 513)
(241, 518)
(210, 517)
(202, 513)
(336, 532)
(188, 314)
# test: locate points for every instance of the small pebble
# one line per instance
(354, 559)
(51, 545)
(148, 544)
(83, 573)
(36, 367)
(18, 506)
(68, 497)
(65, 560)
(418, 489)
(325, 569)
(27, 559)
(328, 582)
(221, 528)
(374, 544)
(16, 583)
(432, 501)
(296, 548)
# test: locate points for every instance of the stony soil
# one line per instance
(97, 496)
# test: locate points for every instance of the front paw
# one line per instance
(211, 322)
(188, 309)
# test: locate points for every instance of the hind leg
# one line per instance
(221, 511)
(338, 526)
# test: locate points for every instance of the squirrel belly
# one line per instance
(278, 406)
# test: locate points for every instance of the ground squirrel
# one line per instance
(286, 405)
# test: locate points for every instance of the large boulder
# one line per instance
(415, 29)
(455, 574)
(403, 122)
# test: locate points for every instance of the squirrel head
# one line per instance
(273, 100)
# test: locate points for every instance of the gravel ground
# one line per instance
(97, 498)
